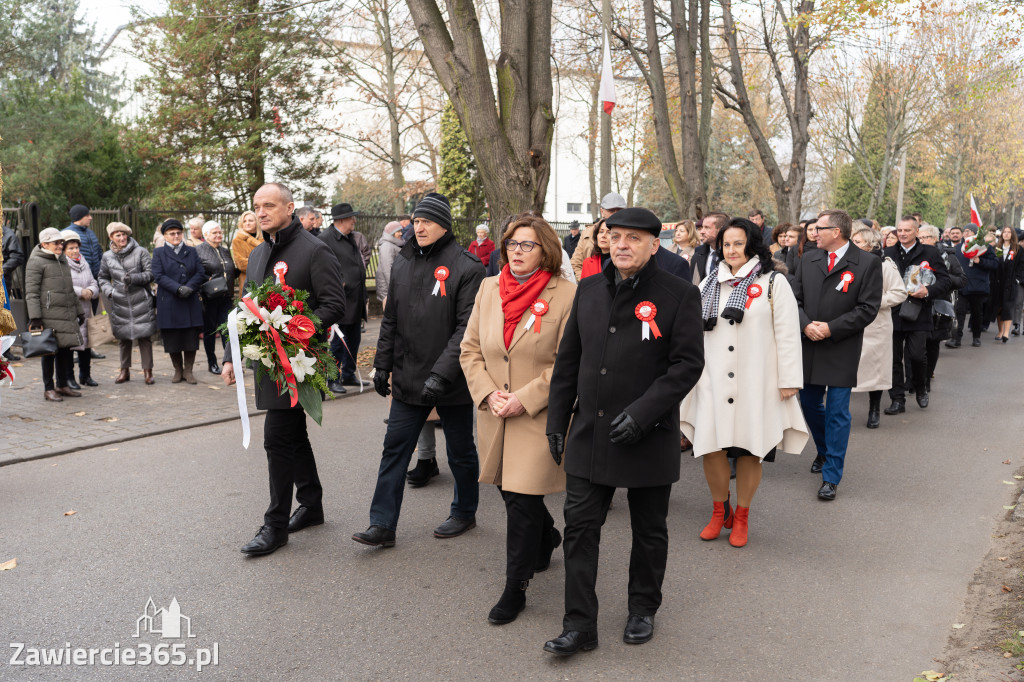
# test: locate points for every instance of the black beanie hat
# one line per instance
(435, 207)
(169, 223)
(77, 212)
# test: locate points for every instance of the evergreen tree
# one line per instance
(459, 179)
(853, 193)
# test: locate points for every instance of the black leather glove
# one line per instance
(184, 291)
(434, 388)
(81, 318)
(625, 430)
(556, 444)
(381, 379)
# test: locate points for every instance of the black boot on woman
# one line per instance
(512, 601)
(874, 405)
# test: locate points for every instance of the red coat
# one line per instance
(591, 266)
(482, 250)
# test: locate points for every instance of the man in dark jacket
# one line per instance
(631, 351)
(973, 296)
(433, 286)
(340, 239)
(943, 312)
(704, 258)
(92, 252)
(838, 288)
(910, 336)
(311, 268)
(571, 240)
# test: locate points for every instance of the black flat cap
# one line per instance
(635, 218)
(171, 223)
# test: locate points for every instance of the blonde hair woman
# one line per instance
(686, 239)
(247, 238)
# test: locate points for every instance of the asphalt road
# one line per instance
(867, 587)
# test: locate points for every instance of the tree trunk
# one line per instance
(686, 32)
(957, 199)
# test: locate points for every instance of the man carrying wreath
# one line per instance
(295, 256)
(631, 351)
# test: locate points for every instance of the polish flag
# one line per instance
(975, 214)
(607, 91)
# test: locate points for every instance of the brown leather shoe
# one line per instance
(70, 393)
(123, 376)
(53, 395)
(147, 374)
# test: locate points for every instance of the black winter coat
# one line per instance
(699, 262)
(977, 273)
(672, 263)
(1010, 275)
(919, 254)
(170, 271)
(217, 263)
(311, 268)
(353, 272)
(604, 367)
(834, 361)
(421, 333)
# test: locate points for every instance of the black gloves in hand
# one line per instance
(625, 430)
(434, 388)
(556, 444)
(381, 379)
(184, 291)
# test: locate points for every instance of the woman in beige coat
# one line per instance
(508, 352)
(874, 374)
(743, 407)
(247, 237)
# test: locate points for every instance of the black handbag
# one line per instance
(36, 344)
(214, 288)
(910, 309)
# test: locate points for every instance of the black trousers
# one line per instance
(84, 364)
(64, 362)
(913, 346)
(586, 507)
(528, 523)
(975, 304)
(215, 313)
(291, 464)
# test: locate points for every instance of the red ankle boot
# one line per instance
(721, 517)
(738, 537)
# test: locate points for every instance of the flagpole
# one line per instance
(606, 119)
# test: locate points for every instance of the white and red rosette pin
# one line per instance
(844, 282)
(280, 270)
(753, 291)
(537, 311)
(645, 312)
(440, 274)
(926, 266)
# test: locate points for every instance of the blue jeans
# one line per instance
(828, 419)
(345, 361)
(404, 425)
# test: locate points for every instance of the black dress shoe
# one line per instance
(304, 517)
(897, 407)
(953, 343)
(214, 368)
(922, 399)
(354, 382)
(453, 527)
(72, 384)
(267, 540)
(976, 343)
(87, 381)
(96, 355)
(550, 543)
(571, 641)
(639, 629)
(376, 536)
(817, 464)
(336, 387)
(827, 492)
(421, 474)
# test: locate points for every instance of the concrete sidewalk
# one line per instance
(33, 428)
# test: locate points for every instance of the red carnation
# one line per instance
(288, 290)
(299, 305)
(275, 299)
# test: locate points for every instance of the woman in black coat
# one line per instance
(178, 274)
(217, 263)
(1009, 275)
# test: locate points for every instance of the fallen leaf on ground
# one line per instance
(79, 414)
(957, 626)
(1007, 655)
(114, 419)
(1009, 506)
(8, 565)
(112, 449)
(216, 388)
(1007, 588)
(932, 676)
(1003, 558)
(1009, 483)
(1006, 461)
(70, 512)
(1019, 478)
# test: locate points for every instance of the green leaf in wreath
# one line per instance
(312, 401)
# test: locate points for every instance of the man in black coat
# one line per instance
(973, 296)
(838, 288)
(311, 268)
(631, 351)
(433, 287)
(943, 312)
(705, 258)
(571, 240)
(341, 240)
(910, 336)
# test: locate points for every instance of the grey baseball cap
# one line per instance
(613, 200)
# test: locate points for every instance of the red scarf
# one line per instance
(517, 298)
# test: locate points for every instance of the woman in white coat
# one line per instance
(874, 374)
(744, 406)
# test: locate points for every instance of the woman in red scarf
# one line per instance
(594, 264)
(508, 352)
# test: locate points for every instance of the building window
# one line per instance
(573, 208)
(590, 209)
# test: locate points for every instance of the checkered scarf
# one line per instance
(709, 298)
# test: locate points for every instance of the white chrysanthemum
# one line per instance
(252, 352)
(302, 366)
(275, 318)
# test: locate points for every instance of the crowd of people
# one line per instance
(576, 365)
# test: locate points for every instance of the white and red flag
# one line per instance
(607, 91)
(975, 214)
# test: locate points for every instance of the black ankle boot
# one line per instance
(513, 600)
(874, 405)
(550, 542)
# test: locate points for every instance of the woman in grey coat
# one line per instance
(52, 304)
(125, 276)
(388, 246)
